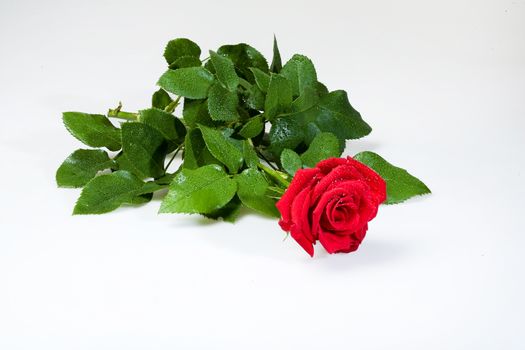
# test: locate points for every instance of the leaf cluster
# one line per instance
(242, 127)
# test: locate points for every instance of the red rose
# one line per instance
(331, 203)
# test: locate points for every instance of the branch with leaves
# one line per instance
(243, 129)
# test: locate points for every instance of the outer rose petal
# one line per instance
(342, 244)
(300, 215)
(302, 179)
(329, 164)
(376, 182)
(302, 240)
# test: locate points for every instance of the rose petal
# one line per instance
(300, 227)
(300, 214)
(343, 217)
(303, 178)
(329, 164)
(342, 244)
(340, 173)
(302, 240)
(376, 182)
(359, 193)
(320, 206)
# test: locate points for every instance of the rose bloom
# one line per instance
(331, 203)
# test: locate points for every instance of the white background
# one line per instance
(443, 85)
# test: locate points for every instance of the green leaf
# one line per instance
(145, 194)
(243, 57)
(276, 65)
(291, 161)
(94, 130)
(285, 132)
(192, 82)
(222, 103)
(301, 72)
(180, 47)
(250, 156)
(324, 145)
(255, 98)
(332, 114)
(252, 190)
(203, 190)
(196, 154)
(166, 179)
(160, 99)
(185, 62)
(337, 116)
(152, 186)
(262, 79)
(144, 150)
(229, 213)
(308, 99)
(168, 125)
(400, 185)
(253, 127)
(225, 71)
(196, 112)
(222, 148)
(81, 166)
(106, 193)
(321, 89)
(278, 97)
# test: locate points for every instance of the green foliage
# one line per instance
(400, 185)
(168, 125)
(222, 103)
(244, 57)
(196, 112)
(81, 166)
(222, 148)
(252, 189)
(253, 127)
(179, 48)
(262, 79)
(276, 65)
(185, 62)
(251, 159)
(301, 72)
(160, 99)
(192, 82)
(196, 153)
(225, 71)
(279, 96)
(203, 191)
(143, 150)
(244, 129)
(336, 115)
(94, 130)
(291, 161)
(105, 193)
(324, 145)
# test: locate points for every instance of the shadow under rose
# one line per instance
(269, 241)
(375, 251)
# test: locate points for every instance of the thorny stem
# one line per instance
(179, 147)
(278, 176)
(265, 159)
(117, 113)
